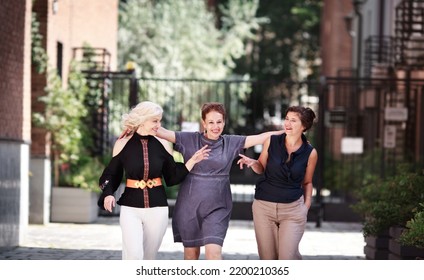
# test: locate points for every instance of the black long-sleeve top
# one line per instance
(130, 160)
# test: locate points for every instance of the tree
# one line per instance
(287, 43)
(284, 49)
(179, 39)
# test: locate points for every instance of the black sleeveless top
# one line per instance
(281, 181)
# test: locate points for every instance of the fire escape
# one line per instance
(400, 60)
(96, 60)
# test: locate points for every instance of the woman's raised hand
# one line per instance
(201, 154)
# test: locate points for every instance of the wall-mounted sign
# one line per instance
(389, 136)
(352, 145)
(335, 116)
(396, 114)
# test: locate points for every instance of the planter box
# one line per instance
(73, 205)
(339, 212)
(377, 247)
(400, 252)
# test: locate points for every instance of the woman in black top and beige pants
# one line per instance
(145, 161)
(283, 195)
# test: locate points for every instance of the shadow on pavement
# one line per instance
(35, 253)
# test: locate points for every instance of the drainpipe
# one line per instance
(381, 30)
(357, 6)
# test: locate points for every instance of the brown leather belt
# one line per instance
(151, 183)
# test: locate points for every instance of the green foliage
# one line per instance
(389, 202)
(64, 109)
(180, 39)
(287, 47)
(414, 233)
(350, 172)
(186, 40)
(38, 53)
(64, 118)
(83, 173)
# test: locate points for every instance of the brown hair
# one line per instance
(306, 115)
(213, 106)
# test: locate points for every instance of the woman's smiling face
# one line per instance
(213, 124)
(293, 124)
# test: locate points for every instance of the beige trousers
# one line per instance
(142, 231)
(279, 227)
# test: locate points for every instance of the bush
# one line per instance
(389, 202)
(84, 173)
(65, 118)
(413, 235)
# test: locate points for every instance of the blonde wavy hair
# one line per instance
(139, 114)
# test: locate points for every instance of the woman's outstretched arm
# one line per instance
(166, 134)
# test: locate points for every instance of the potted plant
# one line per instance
(74, 197)
(386, 204)
(409, 242)
(342, 177)
(413, 235)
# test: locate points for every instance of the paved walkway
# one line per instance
(102, 241)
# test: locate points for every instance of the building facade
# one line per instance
(15, 119)
(373, 77)
(65, 26)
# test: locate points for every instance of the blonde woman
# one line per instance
(145, 161)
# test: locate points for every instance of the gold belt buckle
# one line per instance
(150, 183)
(140, 184)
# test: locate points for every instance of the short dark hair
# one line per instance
(306, 115)
(213, 106)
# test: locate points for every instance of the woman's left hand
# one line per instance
(249, 162)
(201, 154)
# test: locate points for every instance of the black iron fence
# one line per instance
(369, 126)
(365, 126)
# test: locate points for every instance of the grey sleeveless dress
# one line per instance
(203, 207)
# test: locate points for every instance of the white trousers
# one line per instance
(142, 231)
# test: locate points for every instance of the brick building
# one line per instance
(25, 183)
(15, 118)
(372, 83)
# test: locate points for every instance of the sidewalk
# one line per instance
(102, 241)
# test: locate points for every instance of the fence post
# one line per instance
(133, 96)
(320, 148)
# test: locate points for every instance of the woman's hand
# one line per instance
(201, 154)
(125, 133)
(249, 162)
(198, 156)
(256, 165)
(109, 203)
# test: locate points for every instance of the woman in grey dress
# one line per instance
(203, 207)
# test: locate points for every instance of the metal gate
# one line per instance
(368, 126)
(365, 126)
(252, 106)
